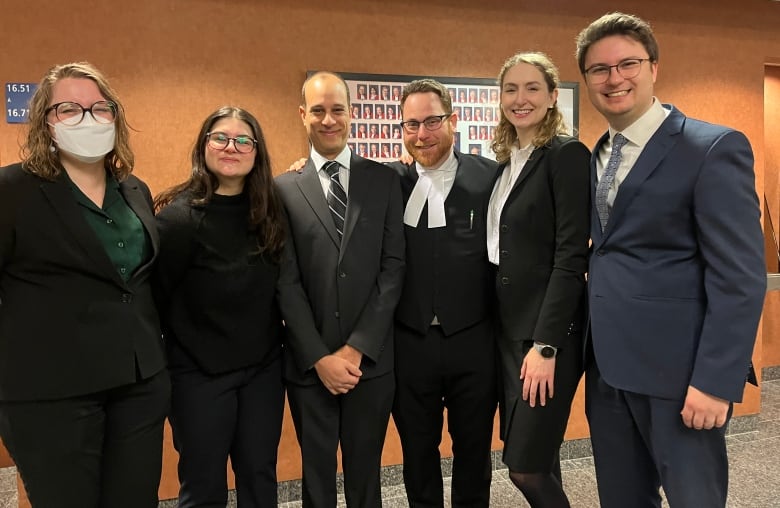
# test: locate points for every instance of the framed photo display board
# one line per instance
(376, 112)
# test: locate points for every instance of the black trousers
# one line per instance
(357, 421)
(236, 415)
(102, 450)
(456, 372)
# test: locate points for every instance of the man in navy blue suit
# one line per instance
(676, 280)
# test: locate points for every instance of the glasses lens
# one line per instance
(629, 68)
(433, 123)
(218, 140)
(597, 75)
(69, 113)
(244, 144)
(104, 111)
(411, 126)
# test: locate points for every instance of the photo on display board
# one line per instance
(376, 112)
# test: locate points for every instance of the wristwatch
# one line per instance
(545, 350)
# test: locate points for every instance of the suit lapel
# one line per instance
(359, 183)
(67, 209)
(137, 202)
(530, 167)
(659, 145)
(309, 183)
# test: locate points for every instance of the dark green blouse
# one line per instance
(117, 227)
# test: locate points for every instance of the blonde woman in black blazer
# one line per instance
(538, 238)
(83, 389)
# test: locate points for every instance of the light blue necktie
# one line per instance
(608, 179)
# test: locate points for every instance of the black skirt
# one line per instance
(533, 435)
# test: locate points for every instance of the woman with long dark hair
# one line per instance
(221, 235)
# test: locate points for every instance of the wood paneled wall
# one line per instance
(175, 61)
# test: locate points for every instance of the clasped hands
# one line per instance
(340, 371)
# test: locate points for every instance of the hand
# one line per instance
(406, 159)
(538, 375)
(297, 165)
(337, 374)
(704, 411)
(350, 354)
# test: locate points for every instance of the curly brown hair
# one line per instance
(37, 156)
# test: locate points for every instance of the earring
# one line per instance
(52, 148)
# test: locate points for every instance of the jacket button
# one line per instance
(342, 275)
(504, 253)
(600, 252)
(127, 298)
(337, 314)
(505, 280)
(504, 228)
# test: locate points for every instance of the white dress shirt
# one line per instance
(637, 134)
(501, 191)
(343, 159)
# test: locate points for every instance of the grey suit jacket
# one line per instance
(332, 294)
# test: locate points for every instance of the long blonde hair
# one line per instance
(552, 124)
(37, 156)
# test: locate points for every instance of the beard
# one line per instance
(433, 156)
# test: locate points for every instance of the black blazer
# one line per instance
(331, 296)
(543, 242)
(69, 324)
(447, 269)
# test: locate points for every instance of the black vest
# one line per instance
(448, 274)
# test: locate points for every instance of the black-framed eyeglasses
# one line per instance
(72, 113)
(627, 69)
(431, 123)
(220, 141)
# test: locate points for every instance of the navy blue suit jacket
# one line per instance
(677, 278)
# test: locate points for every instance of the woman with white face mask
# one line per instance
(83, 386)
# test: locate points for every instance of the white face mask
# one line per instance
(88, 141)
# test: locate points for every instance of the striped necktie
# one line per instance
(337, 196)
(607, 179)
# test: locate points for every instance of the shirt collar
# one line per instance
(450, 165)
(342, 158)
(640, 132)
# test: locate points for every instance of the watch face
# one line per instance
(547, 352)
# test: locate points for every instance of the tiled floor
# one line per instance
(754, 459)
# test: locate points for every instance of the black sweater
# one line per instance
(216, 293)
